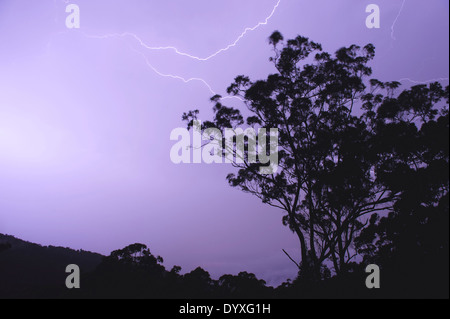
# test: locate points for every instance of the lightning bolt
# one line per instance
(394, 38)
(181, 53)
(423, 82)
(177, 77)
(166, 75)
(396, 19)
(184, 54)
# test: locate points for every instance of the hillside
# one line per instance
(31, 270)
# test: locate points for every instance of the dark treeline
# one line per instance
(134, 272)
(32, 271)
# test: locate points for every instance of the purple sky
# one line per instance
(85, 121)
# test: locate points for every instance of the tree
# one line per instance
(243, 285)
(324, 182)
(198, 284)
(137, 254)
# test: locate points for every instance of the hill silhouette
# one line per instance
(29, 270)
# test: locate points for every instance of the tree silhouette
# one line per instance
(242, 285)
(136, 254)
(198, 284)
(325, 181)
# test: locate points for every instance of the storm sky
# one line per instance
(86, 116)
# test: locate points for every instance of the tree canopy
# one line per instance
(349, 147)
